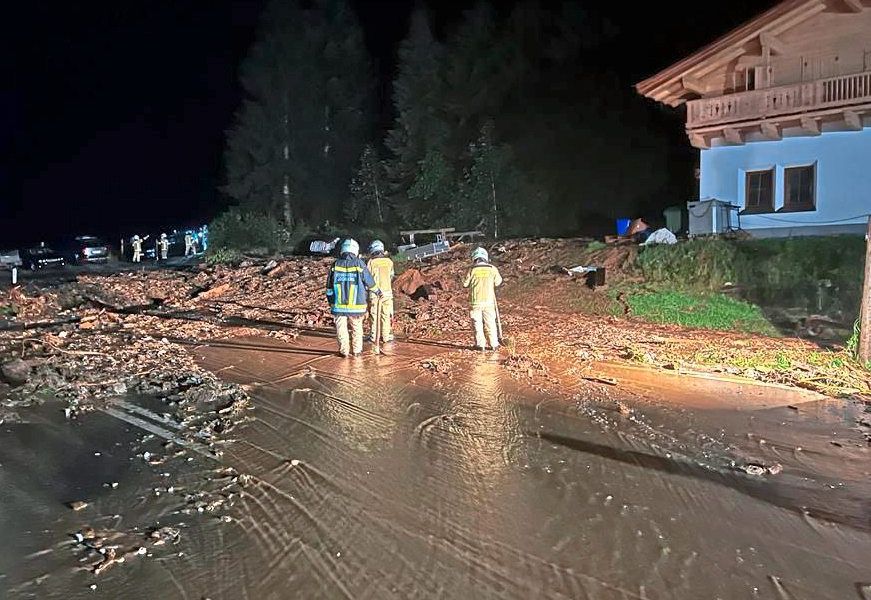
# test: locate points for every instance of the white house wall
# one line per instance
(843, 181)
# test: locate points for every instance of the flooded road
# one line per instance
(430, 472)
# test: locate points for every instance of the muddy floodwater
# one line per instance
(429, 472)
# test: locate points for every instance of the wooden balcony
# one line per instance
(831, 93)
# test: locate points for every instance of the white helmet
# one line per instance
(480, 254)
(163, 236)
(376, 246)
(135, 238)
(350, 246)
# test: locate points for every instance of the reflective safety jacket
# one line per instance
(381, 268)
(347, 283)
(482, 280)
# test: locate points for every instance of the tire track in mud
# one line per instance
(452, 493)
(465, 549)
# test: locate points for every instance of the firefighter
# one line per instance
(348, 281)
(381, 308)
(136, 244)
(482, 280)
(163, 246)
(189, 248)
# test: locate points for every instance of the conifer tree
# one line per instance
(306, 114)
(366, 202)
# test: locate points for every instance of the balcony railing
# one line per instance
(832, 92)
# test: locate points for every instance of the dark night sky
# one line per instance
(113, 114)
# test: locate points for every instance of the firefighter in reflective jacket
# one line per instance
(189, 244)
(381, 309)
(347, 285)
(136, 245)
(163, 246)
(482, 280)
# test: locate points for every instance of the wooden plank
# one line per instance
(773, 43)
(771, 131)
(853, 120)
(694, 85)
(865, 318)
(733, 136)
(460, 234)
(810, 126)
(422, 231)
(699, 141)
(854, 6)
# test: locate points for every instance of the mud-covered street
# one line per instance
(431, 472)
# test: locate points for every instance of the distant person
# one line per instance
(347, 283)
(189, 244)
(482, 280)
(381, 310)
(136, 244)
(163, 245)
(204, 237)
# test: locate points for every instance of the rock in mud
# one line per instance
(165, 535)
(214, 292)
(78, 505)
(409, 282)
(16, 372)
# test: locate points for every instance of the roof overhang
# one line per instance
(676, 84)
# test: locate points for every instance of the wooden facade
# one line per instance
(799, 69)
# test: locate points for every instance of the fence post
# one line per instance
(865, 314)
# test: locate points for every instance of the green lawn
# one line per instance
(705, 311)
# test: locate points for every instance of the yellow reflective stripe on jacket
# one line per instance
(339, 269)
(354, 307)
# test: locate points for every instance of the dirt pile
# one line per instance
(128, 332)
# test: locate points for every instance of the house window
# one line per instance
(759, 191)
(799, 188)
(750, 78)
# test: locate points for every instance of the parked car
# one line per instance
(10, 258)
(84, 249)
(40, 257)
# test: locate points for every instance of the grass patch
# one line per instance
(596, 245)
(699, 310)
(814, 273)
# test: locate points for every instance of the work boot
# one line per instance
(344, 354)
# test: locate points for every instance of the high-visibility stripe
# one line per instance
(360, 307)
(348, 269)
